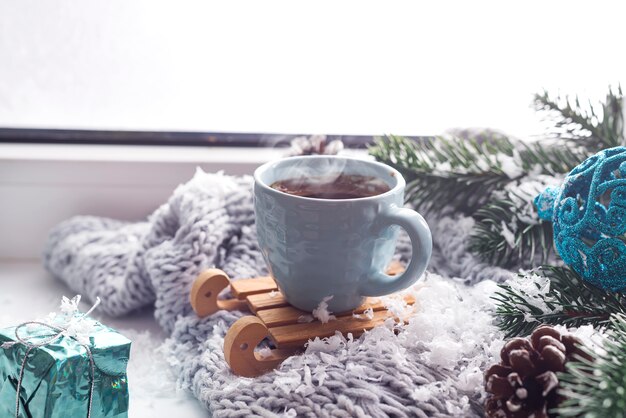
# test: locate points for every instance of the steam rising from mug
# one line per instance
(330, 168)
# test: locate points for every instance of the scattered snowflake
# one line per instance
(522, 195)
(320, 374)
(237, 383)
(290, 413)
(326, 345)
(367, 314)
(70, 306)
(287, 381)
(511, 165)
(327, 358)
(306, 388)
(470, 378)
(533, 288)
(151, 377)
(508, 235)
(396, 306)
(305, 319)
(51, 318)
(322, 313)
(460, 410)
(356, 370)
(264, 352)
(80, 329)
(424, 393)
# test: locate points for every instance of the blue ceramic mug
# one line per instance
(316, 248)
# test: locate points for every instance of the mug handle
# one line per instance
(379, 283)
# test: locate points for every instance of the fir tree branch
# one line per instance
(447, 170)
(554, 295)
(501, 238)
(463, 172)
(583, 124)
(596, 388)
(508, 231)
(550, 158)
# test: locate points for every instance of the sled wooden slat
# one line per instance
(275, 319)
(266, 301)
(286, 315)
(296, 335)
(245, 287)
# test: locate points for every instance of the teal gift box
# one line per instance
(57, 377)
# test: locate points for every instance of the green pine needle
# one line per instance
(594, 126)
(463, 172)
(532, 238)
(444, 171)
(569, 301)
(597, 388)
(549, 157)
(532, 242)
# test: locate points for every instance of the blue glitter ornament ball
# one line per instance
(588, 213)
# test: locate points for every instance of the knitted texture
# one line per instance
(430, 369)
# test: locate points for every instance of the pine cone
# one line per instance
(524, 383)
(314, 145)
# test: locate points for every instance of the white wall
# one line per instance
(358, 66)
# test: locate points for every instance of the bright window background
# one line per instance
(344, 67)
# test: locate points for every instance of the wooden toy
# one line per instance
(287, 328)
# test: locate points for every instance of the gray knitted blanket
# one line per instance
(432, 368)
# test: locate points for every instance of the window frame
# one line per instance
(166, 138)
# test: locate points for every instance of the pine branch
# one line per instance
(463, 172)
(447, 170)
(508, 231)
(597, 388)
(554, 295)
(500, 238)
(594, 126)
(550, 158)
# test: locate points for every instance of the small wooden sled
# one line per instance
(274, 319)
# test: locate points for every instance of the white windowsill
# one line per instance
(44, 184)
(136, 153)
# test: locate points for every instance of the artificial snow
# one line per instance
(264, 352)
(149, 373)
(322, 313)
(508, 236)
(290, 413)
(533, 288)
(305, 319)
(511, 165)
(397, 305)
(451, 329)
(367, 314)
(522, 193)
